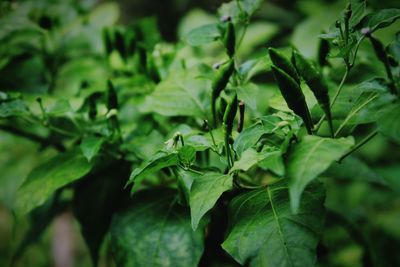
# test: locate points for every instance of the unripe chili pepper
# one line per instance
(222, 107)
(323, 51)
(241, 116)
(152, 70)
(283, 63)
(92, 107)
(293, 96)
(112, 99)
(142, 59)
(219, 83)
(316, 84)
(120, 44)
(383, 57)
(347, 15)
(108, 42)
(230, 39)
(229, 117)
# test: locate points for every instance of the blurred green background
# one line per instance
(281, 23)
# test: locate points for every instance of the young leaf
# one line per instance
(203, 35)
(45, 179)
(388, 121)
(15, 107)
(155, 231)
(179, 95)
(380, 19)
(186, 155)
(90, 146)
(358, 11)
(159, 161)
(262, 225)
(205, 191)
(308, 159)
(248, 138)
(274, 163)
(251, 157)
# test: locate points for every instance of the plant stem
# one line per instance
(35, 138)
(360, 144)
(351, 114)
(346, 74)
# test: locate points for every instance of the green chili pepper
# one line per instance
(323, 51)
(229, 117)
(219, 83)
(141, 60)
(152, 70)
(230, 39)
(222, 107)
(293, 96)
(112, 99)
(283, 63)
(316, 83)
(241, 116)
(347, 15)
(383, 57)
(108, 42)
(230, 113)
(120, 43)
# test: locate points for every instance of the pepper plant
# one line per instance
(216, 150)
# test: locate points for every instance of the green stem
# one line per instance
(351, 114)
(360, 144)
(346, 74)
(32, 137)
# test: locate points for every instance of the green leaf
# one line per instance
(103, 15)
(160, 160)
(390, 174)
(248, 138)
(254, 67)
(366, 99)
(263, 226)
(251, 157)
(96, 198)
(308, 159)
(40, 218)
(359, 8)
(60, 108)
(90, 146)
(186, 155)
(251, 6)
(248, 94)
(266, 125)
(380, 19)
(45, 179)
(389, 123)
(180, 95)
(185, 181)
(15, 107)
(203, 35)
(205, 191)
(273, 162)
(155, 231)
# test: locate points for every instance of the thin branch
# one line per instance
(32, 137)
(360, 144)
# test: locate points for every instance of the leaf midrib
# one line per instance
(279, 226)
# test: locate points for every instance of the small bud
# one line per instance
(366, 31)
(226, 18)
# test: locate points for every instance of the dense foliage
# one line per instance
(249, 142)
